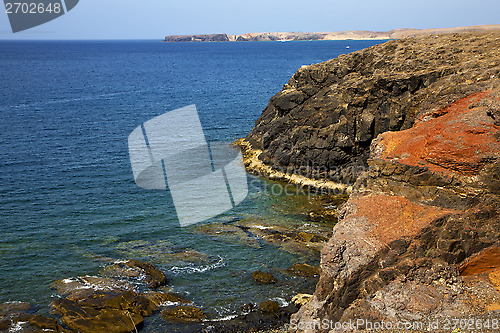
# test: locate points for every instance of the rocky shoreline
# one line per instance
(417, 241)
(129, 295)
(128, 291)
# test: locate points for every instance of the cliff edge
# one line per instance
(418, 240)
(321, 125)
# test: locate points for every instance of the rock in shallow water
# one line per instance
(117, 316)
(322, 123)
(304, 270)
(269, 306)
(14, 317)
(228, 232)
(184, 314)
(153, 276)
(138, 270)
(263, 277)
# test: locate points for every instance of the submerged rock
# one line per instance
(184, 314)
(304, 270)
(111, 311)
(228, 232)
(263, 277)
(269, 306)
(14, 317)
(98, 317)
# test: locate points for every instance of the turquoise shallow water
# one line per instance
(68, 199)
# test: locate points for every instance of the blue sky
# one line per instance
(153, 19)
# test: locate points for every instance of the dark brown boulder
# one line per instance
(105, 304)
(154, 277)
(263, 277)
(184, 314)
(269, 306)
(83, 318)
(418, 238)
(304, 270)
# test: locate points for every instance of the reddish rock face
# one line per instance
(461, 138)
(486, 261)
(418, 236)
(393, 217)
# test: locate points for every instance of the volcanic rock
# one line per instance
(304, 270)
(412, 128)
(269, 306)
(321, 125)
(263, 277)
(184, 314)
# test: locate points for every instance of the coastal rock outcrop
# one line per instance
(112, 303)
(17, 317)
(418, 238)
(321, 125)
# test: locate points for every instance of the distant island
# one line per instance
(339, 35)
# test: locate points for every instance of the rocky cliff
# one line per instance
(418, 239)
(322, 123)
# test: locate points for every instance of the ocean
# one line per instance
(68, 201)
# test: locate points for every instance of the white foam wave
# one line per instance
(226, 318)
(281, 301)
(261, 227)
(168, 303)
(17, 327)
(200, 269)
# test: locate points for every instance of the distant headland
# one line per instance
(339, 35)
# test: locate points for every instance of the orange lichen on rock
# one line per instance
(486, 261)
(393, 217)
(495, 279)
(458, 139)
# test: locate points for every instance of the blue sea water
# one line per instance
(68, 199)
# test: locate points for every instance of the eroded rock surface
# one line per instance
(117, 302)
(323, 121)
(17, 317)
(418, 237)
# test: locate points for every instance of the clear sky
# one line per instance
(153, 19)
